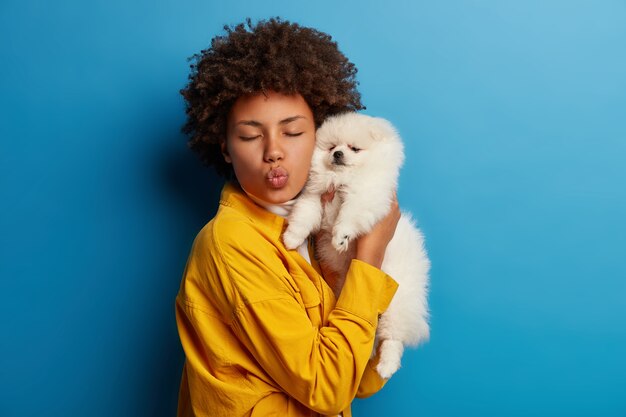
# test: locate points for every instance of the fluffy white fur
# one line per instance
(360, 157)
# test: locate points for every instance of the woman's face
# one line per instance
(269, 141)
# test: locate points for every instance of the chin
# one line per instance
(280, 195)
(360, 157)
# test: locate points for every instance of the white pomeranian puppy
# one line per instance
(360, 158)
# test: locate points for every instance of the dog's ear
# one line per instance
(376, 135)
(379, 128)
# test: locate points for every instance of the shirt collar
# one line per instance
(233, 196)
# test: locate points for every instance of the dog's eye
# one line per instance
(355, 149)
(332, 147)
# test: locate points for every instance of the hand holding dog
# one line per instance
(360, 157)
(370, 248)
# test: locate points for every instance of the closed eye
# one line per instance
(332, 147)
(293, 134)
(355, 149)
(249, 137)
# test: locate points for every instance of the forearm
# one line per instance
(321, 368)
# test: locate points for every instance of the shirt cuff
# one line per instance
(367, 291)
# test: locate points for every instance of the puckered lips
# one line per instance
(277, 177)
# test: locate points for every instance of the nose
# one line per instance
(273, 151)
(338, 155)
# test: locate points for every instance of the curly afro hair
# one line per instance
(273, 55)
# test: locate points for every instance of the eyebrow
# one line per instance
(290, 119)
(254, 123)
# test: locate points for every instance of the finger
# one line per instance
(328, 196)
(394, 201)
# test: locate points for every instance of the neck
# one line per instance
(280, 209)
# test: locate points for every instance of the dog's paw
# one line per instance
(340, 243)
(390, 356)
(341, 239)
(292, 240)
(386, 369)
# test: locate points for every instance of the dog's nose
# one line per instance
(338, 155)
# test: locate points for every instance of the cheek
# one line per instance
(304, 149)
(244, 166)
(301, 161)
(309, 149)
(354, 156)
(243, 153)
(310, 156)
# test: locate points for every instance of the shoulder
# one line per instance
(241, 254)
(231, 232)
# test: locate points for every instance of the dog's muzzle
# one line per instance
(338, 158)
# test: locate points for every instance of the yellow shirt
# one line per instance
(262, 331)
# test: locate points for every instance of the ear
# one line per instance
(224, 149)
(376, 134)
(380, 129)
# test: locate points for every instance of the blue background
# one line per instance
(514, 118)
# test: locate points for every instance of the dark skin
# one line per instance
(258, 139)
(370, 248)
(272, 55)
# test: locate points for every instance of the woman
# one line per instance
(262, 332)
